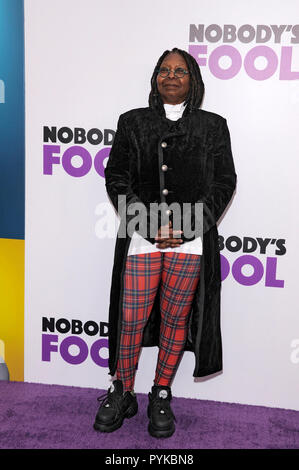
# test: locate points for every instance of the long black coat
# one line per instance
(197, 153)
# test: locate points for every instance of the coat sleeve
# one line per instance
(224, 181)
(119, 189)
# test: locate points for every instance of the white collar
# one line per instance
(174, 108)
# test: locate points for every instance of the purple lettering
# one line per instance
(67, 161)
(224, 267)
(269, 70)
(48, 346)
(286, 64)
(99, 159)
(64, 350)
(231, 71)
(271, 280)
(256, 275)
(95, 352)
(196, 50)
(49, 159)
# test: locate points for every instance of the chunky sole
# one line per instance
(117, 424)
(157, 432)
(160, 432)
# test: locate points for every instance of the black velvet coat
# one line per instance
(196, 150)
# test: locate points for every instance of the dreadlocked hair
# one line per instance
(196, 90)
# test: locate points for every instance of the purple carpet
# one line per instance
(36, 416)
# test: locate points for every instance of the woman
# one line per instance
(165, 289)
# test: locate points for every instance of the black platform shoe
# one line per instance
(160, 414)
(115, 407)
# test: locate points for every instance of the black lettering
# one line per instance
(98, 139)
(229, 33)
(233, 239)
(246, 245)
(91, 328)
(216, 37)
(221, 242)
(295, 32)
(60, 323)
(107, 133)
(263, 33)
(48, 324)
(244, 29)
(281, 248)
(278, 30)
(196, 33)
(80, 137)
(77, 327)
(68, 138)
(104, 325)
(50, 134)
(263, 244)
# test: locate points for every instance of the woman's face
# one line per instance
(173, 90)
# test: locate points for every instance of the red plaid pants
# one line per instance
(179, 275)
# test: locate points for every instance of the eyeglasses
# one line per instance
(179, 72)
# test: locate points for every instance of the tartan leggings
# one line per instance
(179, 275)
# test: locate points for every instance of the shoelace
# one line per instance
(164, 405)
(109, 398)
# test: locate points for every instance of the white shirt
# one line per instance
(138, 244)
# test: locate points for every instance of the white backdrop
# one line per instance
(86, 62)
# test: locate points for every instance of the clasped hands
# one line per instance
(165, 237)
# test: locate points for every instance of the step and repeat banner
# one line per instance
(86, 62)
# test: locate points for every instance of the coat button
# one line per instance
(165, 192)
(164, 145)
(164, 167)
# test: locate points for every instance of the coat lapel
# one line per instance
(164, 128)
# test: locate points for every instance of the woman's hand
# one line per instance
(165, 237)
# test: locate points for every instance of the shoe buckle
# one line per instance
(163, 394)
